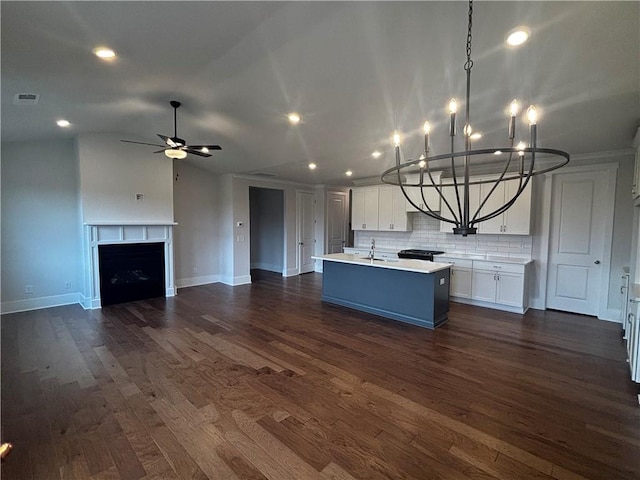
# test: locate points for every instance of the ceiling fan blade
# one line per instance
(196, 152)
(142, 143)
(210, 147)
(168, 140)
(160, 151)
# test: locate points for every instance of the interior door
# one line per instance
(306, 237)
(337, 218)
(576, 245)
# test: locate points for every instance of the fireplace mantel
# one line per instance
(110, 233)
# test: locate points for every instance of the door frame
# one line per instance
(299, 194)
(611, 171)
(347, 217)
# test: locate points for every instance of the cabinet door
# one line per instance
(364, 208)
(460, 282)
(430, 193)
(450, 194)
(483, 286)
(385, 209)
(510, 289)
(401, 220)
(495, 201)
(517, 220)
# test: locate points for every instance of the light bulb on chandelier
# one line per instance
(520, 169)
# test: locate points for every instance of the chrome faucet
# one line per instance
(372, 252)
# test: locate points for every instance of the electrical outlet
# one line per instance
(67, 285)
(195, 269)
(28, 289)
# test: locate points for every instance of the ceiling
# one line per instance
(355, 71)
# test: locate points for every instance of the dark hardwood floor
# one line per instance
(265, 381)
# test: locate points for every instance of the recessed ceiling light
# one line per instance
(376, 154)
(475, 136)
(294, 118)
(348, 173)
(63, 123)
(204, 150)
(518, 36)
(104, 53)
(312, 166)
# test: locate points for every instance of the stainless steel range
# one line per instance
(419, 254)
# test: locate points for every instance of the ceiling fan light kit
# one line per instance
(522, 169)
(176, 147)
(174, 153)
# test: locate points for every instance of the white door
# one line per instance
(337, 221)
(306, 223)
(579, 205)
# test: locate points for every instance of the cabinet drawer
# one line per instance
(459, 263)
(498, 266)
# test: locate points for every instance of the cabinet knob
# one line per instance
(597, 262)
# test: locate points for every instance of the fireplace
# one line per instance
(148, 271)
(129, 272)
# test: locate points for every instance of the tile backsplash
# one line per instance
(426, 234)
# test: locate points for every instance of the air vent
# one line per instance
(264, 174)
(26, 98)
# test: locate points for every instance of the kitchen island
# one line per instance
(411, 291)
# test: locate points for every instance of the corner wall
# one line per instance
(41, 226)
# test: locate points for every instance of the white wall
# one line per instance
(266, 229)
(41, 228)
(226, 229)
(112, 172)
(238, 201)
(196, 238)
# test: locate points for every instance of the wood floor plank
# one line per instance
(264, 381)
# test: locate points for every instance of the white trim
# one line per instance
(611, 315)
(258, 178)
(41, 302)
(235, 281)
(494, 306)
(289, 272)
(195, 281)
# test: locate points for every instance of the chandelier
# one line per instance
(519, 163)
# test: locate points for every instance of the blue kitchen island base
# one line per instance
(413, 297)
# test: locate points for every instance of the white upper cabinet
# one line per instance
(517, 219)
(364, 208)
(430, 193)
(392, 213)
(379, 208)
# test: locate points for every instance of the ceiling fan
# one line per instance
(176, 147)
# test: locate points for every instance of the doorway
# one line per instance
(581, 227)
(337, 221)
(305, 206)
(266, 217)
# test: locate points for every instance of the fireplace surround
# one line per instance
(115, 234)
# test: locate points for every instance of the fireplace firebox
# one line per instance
(131, 271)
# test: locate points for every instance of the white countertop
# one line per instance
(486, 257)
(495, 257)
(409, 265)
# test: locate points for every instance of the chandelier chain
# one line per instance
(469, 63)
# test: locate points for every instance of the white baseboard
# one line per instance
(41, 302)
(289, 272)
(195, 281)
(611, 315)
(235, 281)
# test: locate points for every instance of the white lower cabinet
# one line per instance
(460, 281)
(503, 286)
(501, 283)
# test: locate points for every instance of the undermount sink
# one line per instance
(381, 259)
